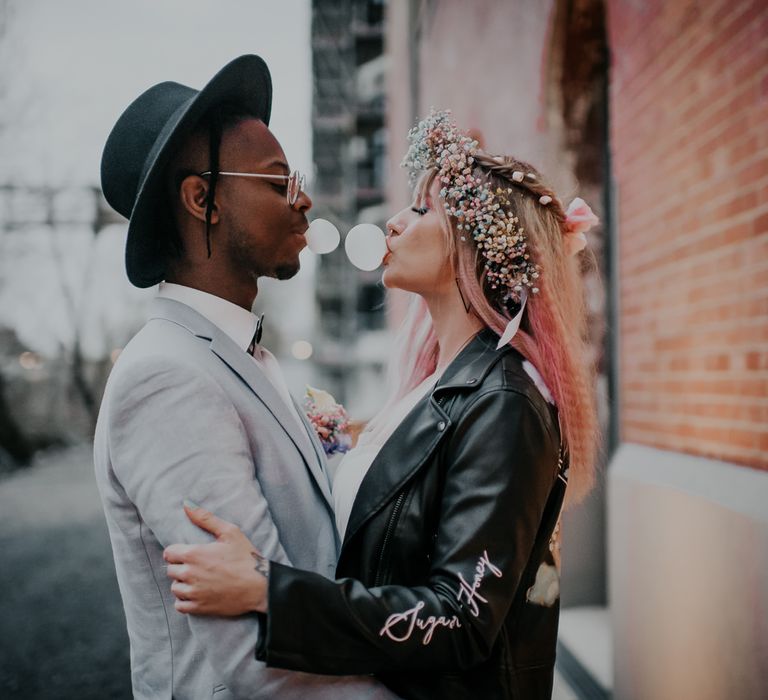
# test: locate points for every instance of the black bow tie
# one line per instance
(257, 335)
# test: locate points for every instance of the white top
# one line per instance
(240, 325)
(355, 464)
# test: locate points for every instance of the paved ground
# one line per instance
(62, 631)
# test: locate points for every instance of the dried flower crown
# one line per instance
(488, 213)
(485, 213)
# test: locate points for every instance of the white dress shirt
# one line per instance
(240, 325)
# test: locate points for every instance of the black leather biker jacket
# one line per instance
(446, 585)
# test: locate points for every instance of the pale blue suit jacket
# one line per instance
(188, 414)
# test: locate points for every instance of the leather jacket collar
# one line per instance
(470, 366)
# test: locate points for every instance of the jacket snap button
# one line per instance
(441, 425)
(471, 381)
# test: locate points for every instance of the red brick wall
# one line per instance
(689, 113)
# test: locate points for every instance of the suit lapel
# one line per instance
(324, 476)
(244, 367)
(314, 439)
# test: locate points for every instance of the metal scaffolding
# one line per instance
(349, 148)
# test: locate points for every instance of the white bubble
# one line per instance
(365, 246)
(322, 236)
(302, 350)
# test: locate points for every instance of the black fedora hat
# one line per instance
(147, 135)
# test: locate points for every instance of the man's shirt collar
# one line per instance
(235, 321)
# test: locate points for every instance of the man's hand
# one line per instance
(227, 577)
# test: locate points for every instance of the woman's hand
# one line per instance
(227, 577)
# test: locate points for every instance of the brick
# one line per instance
(756, 360)
(760, 224)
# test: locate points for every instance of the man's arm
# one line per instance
(175, 435)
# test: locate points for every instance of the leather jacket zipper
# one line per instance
(392, 522)
(390, 528)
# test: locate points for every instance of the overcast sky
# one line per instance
(68, 69)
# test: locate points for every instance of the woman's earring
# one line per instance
(467, 305)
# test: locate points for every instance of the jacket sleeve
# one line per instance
(174, 434)
(501, 464)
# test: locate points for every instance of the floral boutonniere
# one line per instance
(329, 419)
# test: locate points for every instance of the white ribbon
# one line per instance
(514, 324)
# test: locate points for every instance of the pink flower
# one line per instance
(579, 218)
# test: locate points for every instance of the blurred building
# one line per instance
(349, 153)
(655, 113)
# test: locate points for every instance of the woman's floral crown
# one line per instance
(485, 213)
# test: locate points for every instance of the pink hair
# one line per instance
(552, 335)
